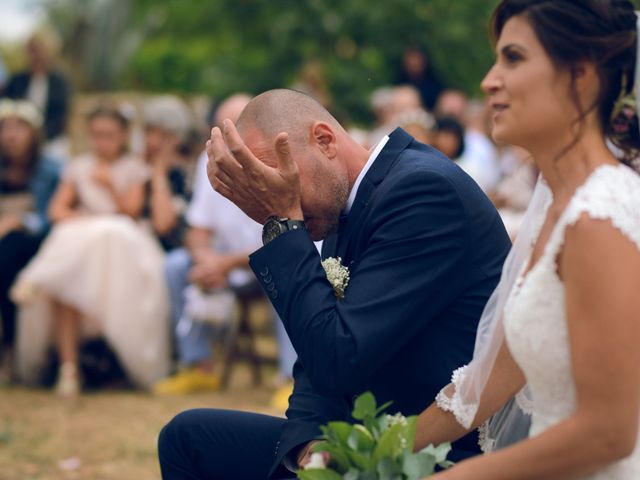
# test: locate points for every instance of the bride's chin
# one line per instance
(500, 136)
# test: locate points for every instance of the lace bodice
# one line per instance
(534, 315)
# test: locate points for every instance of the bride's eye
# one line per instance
(511, 56)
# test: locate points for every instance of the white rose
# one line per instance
(316, 462)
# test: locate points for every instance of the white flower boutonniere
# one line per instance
(337, 274)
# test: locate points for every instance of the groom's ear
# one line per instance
(324, 138)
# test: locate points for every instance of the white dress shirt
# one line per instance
(374, 154)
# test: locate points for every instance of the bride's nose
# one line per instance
(491, 82)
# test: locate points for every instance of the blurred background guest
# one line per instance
(479, 158)
(98, 273)
(416, 70)
(43, 86)
(27, 182)
(4, 75)
(219, 240)
(388, 105)
(514, 191)
(448, 137)
(167, 126)
(313, 81)
(417, 123)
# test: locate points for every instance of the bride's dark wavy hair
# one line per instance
(602, 32)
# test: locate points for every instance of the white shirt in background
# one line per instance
(232, 230)
(38, 91)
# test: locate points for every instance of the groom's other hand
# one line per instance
(210, 270)
(258, 189)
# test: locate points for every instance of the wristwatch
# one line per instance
(275, 226)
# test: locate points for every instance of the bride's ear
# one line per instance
(587, 82)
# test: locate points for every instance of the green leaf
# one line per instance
(339, 460)
(373, 426)
(368, 476)
(388, 469)
(318, 474)
(383, 423)
(337, 432)
(382, 408)
(410, 432)
(418, 465)
(361, 439)
(438, 453)
(390, 443)
(352, 474)
(361, 461)
(364, 406)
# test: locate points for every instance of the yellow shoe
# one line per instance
(188, 381)
(280, 399)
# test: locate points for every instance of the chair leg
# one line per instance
(241, 345)
(250, 343)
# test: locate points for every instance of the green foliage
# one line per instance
(218, 47)
(379, 449)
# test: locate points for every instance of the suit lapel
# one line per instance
(398, 141)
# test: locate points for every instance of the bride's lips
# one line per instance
(498, 108)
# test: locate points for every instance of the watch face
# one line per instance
(272, 228)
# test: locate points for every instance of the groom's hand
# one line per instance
(256, 188)
(304, 457)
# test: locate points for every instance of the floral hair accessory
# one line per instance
(337, 274)
(623, 116)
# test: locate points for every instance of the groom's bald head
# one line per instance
(283, 110)
(320, 147)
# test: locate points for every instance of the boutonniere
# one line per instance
(337, 274)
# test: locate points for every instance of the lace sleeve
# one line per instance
(612, 193)
(449, 400)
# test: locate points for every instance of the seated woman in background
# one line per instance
(167, 125)
(27, 182)
(99, 273)
(448, 137)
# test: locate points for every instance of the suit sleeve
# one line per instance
(410, 271)
(306, 412)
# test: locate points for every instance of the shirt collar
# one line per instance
(354, 191)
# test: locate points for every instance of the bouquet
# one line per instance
(380, 448)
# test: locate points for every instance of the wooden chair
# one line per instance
(240, 340)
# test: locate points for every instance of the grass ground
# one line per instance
(103, 436)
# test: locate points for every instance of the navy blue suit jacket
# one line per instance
(57, 107)
(425, 249)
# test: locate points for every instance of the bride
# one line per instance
(565, 320)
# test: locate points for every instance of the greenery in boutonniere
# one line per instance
(381, 448)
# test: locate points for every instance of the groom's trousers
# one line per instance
(218, 445)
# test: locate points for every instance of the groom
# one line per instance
(424, 249)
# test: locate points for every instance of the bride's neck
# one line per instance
(564, 171)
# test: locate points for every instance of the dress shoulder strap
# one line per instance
(611, 193)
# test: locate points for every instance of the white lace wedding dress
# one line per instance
(534, 315)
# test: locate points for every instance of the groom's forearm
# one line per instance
(292, 276)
